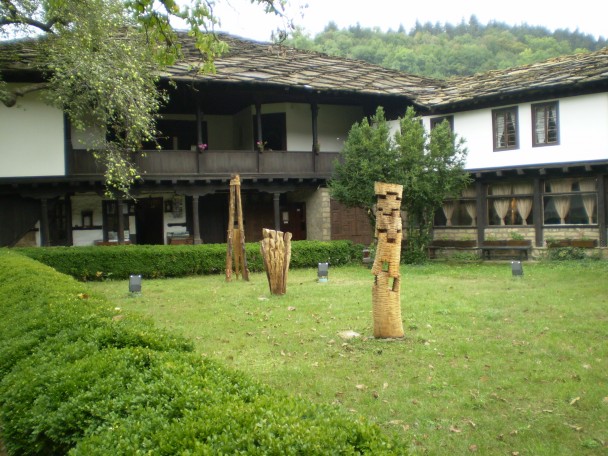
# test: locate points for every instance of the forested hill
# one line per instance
(444, 50)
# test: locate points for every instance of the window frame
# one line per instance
(437, 120)
(545, 105)
(514, 111)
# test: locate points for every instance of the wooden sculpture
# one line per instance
(386, 299)
(276, 253)
(235, 249)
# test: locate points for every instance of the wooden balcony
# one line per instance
(209, 164)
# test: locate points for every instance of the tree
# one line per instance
(430, 166)
(433, 170)
(100, 61)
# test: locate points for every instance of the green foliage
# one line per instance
(79, 376)
(368, 156)
(445, 50)
(566, 254)
(119, 262)
(429, 166)
(101, 60)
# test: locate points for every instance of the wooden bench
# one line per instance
(519, 251)
(432, 249)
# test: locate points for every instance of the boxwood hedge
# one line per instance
(154, 261)
(79, 376)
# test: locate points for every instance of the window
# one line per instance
(510, 204)
(545, 131)
(504, 126)
(110, 219)
(570, 201)
(435, 121)
(458, 212)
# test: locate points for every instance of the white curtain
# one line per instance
(540, 126)
(500, 131)
(470, 206)
(588, 200)
(501, 205)
(562, 203)
(448, 211)
(523, 204)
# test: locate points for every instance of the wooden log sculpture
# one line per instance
(276, 253)
(235, 244)
(386, 300)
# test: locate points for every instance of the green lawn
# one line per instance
(490, 363)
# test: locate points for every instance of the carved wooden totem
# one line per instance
(276, 252)
(235, 249)
(386, 299)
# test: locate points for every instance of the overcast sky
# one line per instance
(241, 18)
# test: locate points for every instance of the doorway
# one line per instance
(149, 221)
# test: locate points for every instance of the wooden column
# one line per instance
(277, 211)
(601, 209)
(537, 211)
(44, 222)
(199, 132)
(69, 236)
(481, 191)
(314, 107)
(259, 133)
(121, 221)
(196, 230)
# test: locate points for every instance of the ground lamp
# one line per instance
(323, 272)
(135, 283)
(517, 269)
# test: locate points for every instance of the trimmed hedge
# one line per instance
(156, 261)
(78, 376)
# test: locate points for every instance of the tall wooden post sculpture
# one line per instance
(386, 300)
(235, 248)
(276, 252)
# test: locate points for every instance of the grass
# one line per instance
(490, 364)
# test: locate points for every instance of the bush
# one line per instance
(118, 262)
(78, 376)
(566, 253)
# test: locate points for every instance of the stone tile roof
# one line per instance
(566, 73)
(270, 64)
(250, 62)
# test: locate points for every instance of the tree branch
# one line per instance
(10, 98)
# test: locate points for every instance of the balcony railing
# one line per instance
(211, 163)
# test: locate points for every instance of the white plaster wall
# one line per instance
(32, 135)
(583, 134)
(220, 132)
(334, 124)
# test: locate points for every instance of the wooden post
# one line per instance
(235, 244)
(386, 300)
(276, 253)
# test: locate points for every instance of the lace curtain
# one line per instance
(470, 206)
(562, 203)
(588, 200)
(448, 211)
(523, 203)
(501, 205)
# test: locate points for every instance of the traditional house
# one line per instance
(537, 139)
(276, 116)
